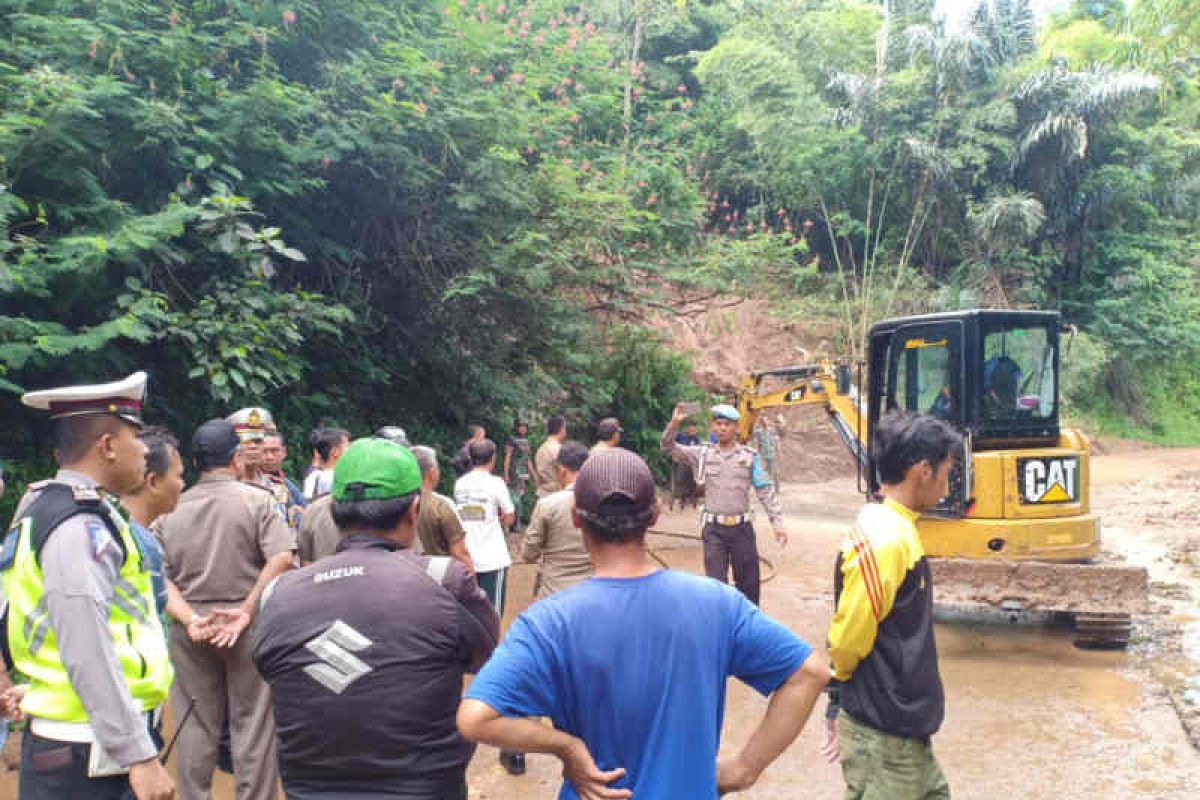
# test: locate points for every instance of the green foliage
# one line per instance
(364, 212)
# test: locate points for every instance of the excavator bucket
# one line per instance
(1102, 598)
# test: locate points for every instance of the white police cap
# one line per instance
(122, 399)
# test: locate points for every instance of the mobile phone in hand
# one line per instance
(691, 408)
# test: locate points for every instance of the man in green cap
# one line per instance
(373, 642)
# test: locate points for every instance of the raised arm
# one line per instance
(686, 454)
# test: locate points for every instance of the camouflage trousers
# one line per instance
(879, 766)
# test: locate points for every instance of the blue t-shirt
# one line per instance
(152, 557)
(636, 667)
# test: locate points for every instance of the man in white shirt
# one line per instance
(486, 509)
(328, 444)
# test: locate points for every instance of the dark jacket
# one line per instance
(365, 653)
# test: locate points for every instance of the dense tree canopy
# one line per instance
(426, 213)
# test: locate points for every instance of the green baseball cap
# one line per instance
(375, 469)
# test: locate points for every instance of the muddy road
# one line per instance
(1028, 716)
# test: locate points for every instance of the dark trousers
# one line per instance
(736, 545)
(52, 770)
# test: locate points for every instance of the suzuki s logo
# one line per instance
(1048, 480)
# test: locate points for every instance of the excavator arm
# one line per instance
(827, 384)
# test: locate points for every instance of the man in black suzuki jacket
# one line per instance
(365, 651)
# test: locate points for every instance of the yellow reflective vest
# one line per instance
(133, 623)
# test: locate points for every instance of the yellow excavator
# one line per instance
(1016, 531)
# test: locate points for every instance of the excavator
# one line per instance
(1015, 531)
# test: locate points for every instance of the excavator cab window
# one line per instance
(924, 374)
(1019, 367)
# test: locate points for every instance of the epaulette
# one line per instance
(57, 502)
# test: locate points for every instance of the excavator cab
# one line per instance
(993, 375)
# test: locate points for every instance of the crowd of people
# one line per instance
(317, 632)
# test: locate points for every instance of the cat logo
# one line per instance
(1048, 480)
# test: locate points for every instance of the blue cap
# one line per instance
(724, 411)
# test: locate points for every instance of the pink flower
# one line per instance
(472, 70)
(422, 107)
(518, 77)
(585, 166)
(574, 118)
(434, 90)
(538, 39)
(681, 89)
(562, 143)
(489, 78)
(289, 17)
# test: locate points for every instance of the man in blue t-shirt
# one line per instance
(631, 665)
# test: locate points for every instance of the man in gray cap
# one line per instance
(631, 665)
(223, 544)
(81, 621)
(728, 471)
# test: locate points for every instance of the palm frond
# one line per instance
(931, 158)
(1101, 89)
(1069, 129)
(1006, 221)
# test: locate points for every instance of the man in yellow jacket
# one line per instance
(881, 639)
(82, 625)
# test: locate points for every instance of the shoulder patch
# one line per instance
(102, 540)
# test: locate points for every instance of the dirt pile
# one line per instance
(728, 339)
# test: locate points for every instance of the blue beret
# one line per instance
(724, 411)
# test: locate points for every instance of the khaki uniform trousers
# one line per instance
(220, 679)
(879, 766)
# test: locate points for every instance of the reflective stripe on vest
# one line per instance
(136, 632)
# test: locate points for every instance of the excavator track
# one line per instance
(1096, 631)
(1100, 598)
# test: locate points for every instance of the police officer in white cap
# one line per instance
(82, 625)
(729, 471)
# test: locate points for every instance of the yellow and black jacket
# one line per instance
(881, 638)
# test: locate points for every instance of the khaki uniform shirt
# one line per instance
(216, 542)
(318, 536)
(553, 539)
(545, 475)
(729, 475)
(438, 525)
